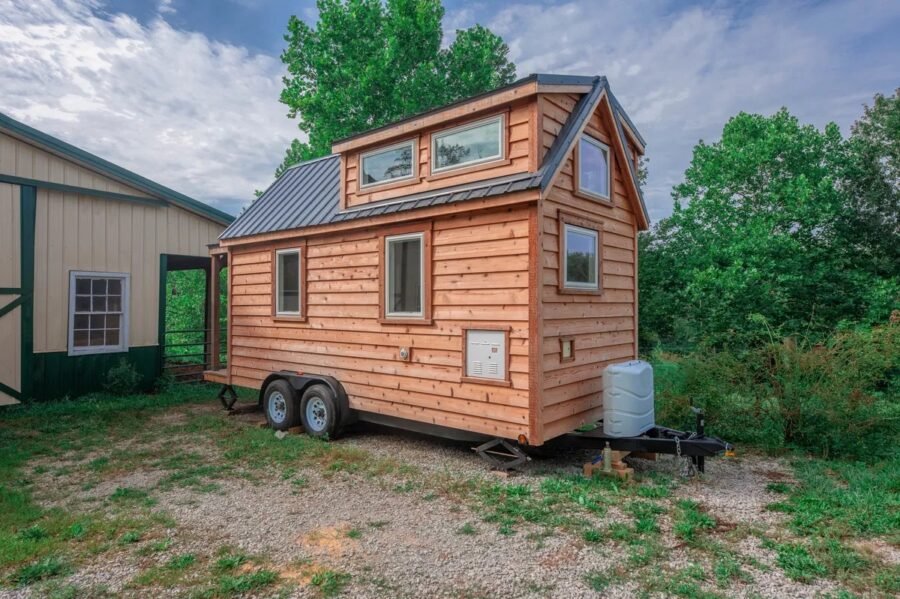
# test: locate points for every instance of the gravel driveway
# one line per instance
(411, 532)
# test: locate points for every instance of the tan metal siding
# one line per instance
(77, 232)
(10, 323)
(22, 159)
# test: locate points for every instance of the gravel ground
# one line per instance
(409, 542)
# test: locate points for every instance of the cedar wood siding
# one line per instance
(601, 325)
(479, 275)
(518, 157)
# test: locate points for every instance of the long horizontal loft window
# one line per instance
(593, 168)
(287, 283)
(469, 144)
(581, 265)
(386, 165)
(98, 312)
(404, 275)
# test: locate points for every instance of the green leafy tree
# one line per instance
(760, 227)
(368, 62)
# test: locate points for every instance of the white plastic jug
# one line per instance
(628, 399)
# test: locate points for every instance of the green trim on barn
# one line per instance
(86, 191)
(78, 155)
(27, 215)
(57, 374)
(161, 315)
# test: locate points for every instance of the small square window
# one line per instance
(97, 318)
(593, 168)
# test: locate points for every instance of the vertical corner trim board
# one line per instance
(28, 201)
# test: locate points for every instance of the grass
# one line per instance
(831, 506)
(330, 582)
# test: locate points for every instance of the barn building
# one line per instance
(85, 246)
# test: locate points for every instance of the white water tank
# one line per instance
(628, 399)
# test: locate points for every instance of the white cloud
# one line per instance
(681, 72)
(197, 115)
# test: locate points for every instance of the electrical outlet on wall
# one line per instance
(405, 354)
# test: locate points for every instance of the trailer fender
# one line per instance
(299, 382)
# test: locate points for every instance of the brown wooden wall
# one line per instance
(603, 326)
(521, 120)
(479, 275)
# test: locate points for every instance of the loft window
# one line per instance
(404, 275)
(386, 165)
(98, 312)
(469, 144)
(287, 278)
(581, 263)
(593, 168)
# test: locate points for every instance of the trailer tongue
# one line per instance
(695, 445)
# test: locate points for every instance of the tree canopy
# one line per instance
(367, 63)
(778, 222)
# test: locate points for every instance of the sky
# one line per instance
(185, 92)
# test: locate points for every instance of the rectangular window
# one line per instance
(473, 143)
(287, 287)
(593, 168)
(404, 275)
(98, 312)
(386, 165)
(581, 258)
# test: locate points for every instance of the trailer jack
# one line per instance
(501, 455)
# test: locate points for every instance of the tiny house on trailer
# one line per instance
(472, 268)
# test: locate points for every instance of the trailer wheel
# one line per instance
(318, 410)
(280, 405)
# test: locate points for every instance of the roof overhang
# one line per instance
(67, 151)
(518, 90)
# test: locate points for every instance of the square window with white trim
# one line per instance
(404, 275)
(287, 283)
(581, 263)
(98, 312)
(593, 175)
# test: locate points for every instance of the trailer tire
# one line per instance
(280, 405)
(319, 412)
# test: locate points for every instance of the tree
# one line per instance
(872, 182)
(760, 227)
(368, 62)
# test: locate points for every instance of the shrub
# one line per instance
(123, 379)
(839, 398)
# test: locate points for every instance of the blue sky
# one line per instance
(186, 91)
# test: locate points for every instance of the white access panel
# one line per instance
(486, 354)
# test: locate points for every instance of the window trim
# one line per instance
(300, 315)
(126, 313)
(609, 169)
(567, 219)
(464, 374)
(434, 171)
(423, 230)
(413, 176)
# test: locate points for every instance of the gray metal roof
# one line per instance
(308, 194)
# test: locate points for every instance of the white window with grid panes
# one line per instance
(98, 312)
